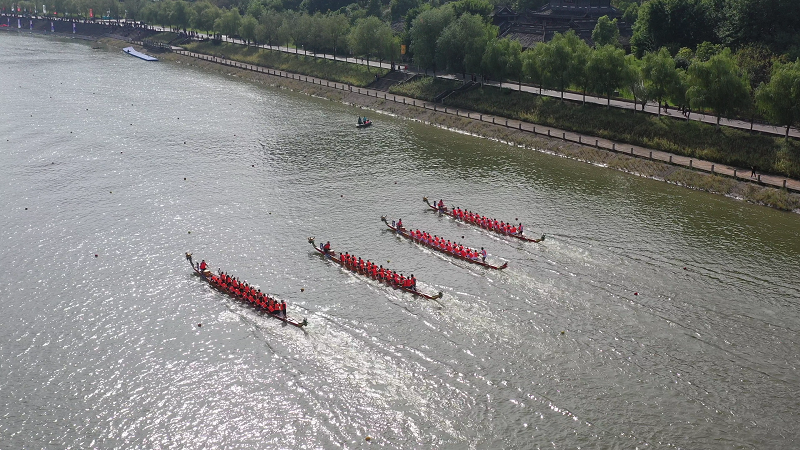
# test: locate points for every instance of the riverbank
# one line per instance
(714, 183)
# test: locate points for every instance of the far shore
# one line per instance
(714, 183)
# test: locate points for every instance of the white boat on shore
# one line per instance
(133, 52)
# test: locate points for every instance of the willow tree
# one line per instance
(558, 60)
(607, 70)
(779, 99)
(503, 59)
(372, 36)
(229, 22)
(425, 31)
(718, 84)
(461, 45)
(532, 67)
(659, 74)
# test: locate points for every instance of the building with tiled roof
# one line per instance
(559, 16)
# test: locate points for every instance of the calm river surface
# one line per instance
(104, 154)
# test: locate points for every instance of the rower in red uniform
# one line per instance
(440, 205)
(412, 283)
(399, 224)
(327, 247)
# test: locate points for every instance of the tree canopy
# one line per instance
(718, 84)
(606, 32)
(425, 31)
(673, 24)
(779, 99)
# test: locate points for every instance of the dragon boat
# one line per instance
(404, 232)
(338, 260)
(448, 212)
(208, 276)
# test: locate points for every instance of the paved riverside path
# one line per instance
(633, 150)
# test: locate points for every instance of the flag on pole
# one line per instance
(91, 14)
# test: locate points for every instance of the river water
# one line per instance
(652, 316)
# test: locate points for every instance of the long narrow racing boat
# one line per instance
(338, 260)
(450, 213)
(406, 234)
(261, 302)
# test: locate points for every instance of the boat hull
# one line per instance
(403, 232)
(206, 277)
(338, 261)
(449, 213)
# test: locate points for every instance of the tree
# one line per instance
(425, 30)
(558, 61)
(503, 59)
(684, 58)
(323, 6)
(255, 9)
(678, 95)
(296, 26)
(133, 9)
(374, 8)
(247, 28)
(532, 68)
(580, 59)
(269, 26)
(772, 23)
(606, 32)
(207, 18)
(336, 28)
(705, 50)
(659, 75)
(461, 45)
(636, 84)
(481, 8)
(718, 84)
(607, 70)
(399, 8)
(779, 99)
(229, 22)
(673, 24)
(372, 36)
(756, 61)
